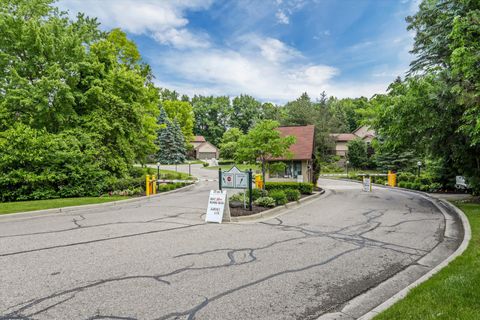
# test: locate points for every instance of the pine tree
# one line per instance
(181, 151)
(162, 118)
(171, 143)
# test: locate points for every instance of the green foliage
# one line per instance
(265, 202)
(84, 94)
(258, 193)
(244, 113)
(357, 153)
(279, 196)
(276, 167)
(171, 144)
(182, 112)
(211, 116)
(434, 112)
(205, 164)
(263, 142)
(236, 197)
(292, 194)
(303, 187)
(229, 143)
(35, 164)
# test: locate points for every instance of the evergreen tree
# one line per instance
(180, 144)
(162, 119)
(171, 143)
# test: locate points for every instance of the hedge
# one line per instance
(303, 187)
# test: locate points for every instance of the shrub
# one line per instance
(416, 186)
(434, 187)
(292, 194)
(225, 162)
(265, 202)
(380, 180)
(401, 184)
(407, 185)
(303, 187)
(279, 196)
(258, 193)
(236, 197)
(406, 176)
(163, 187)
(205, 164)
(424, 187)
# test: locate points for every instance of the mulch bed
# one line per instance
(240, 211)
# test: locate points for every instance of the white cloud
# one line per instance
(181, 38)
(269, 48)
(230, 72)
(282, 17)
(154, 18)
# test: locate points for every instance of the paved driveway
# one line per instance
(159, 260)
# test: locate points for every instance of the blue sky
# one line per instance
(271, 49)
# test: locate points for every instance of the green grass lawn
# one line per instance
(21, 206)
(454, 292)
(172, 174)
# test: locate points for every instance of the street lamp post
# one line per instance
(158, 170)
(347, 163)
(419, 164)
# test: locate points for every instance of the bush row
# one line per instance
(302, 187)
(265, 198)
(225, 162)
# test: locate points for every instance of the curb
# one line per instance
(42, 213)
(274, 212)
(448, 208)
(467, 235)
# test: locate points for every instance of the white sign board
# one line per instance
(367, 184)
(234, 179)
(228, 180)
(241, 180)
(218, 209)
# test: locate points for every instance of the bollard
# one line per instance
(258, 181)
(392, 179)
(147, 185)
(154, 185)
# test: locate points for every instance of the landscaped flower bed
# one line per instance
(275, 194)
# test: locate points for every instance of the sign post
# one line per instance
(367, 184)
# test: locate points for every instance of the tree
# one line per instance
(357, 153)
(171, 144)
(180, 143)
(211, 117)
(244, 113)
(60, 76)
(183, 112)
(263, 142)
(229, 143)
(434, 111)
(300, 112)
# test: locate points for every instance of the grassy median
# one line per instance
(21, 206)
(454, 292)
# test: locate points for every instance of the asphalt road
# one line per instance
(159, 260)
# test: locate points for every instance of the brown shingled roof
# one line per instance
(199, 139)
(302, 149)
